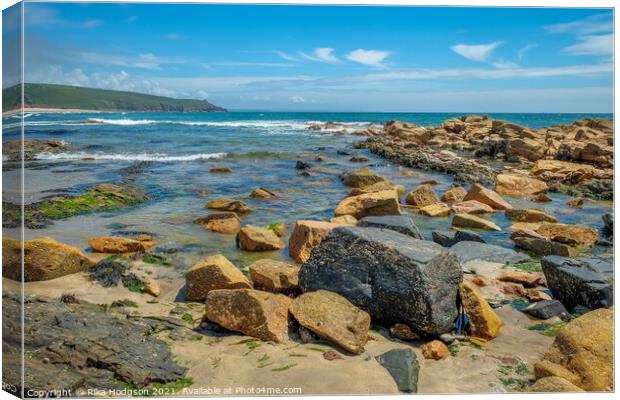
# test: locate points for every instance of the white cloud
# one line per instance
(373, 58)
(322, 54)
(143, 61)
(247, 64)
(475, 52)
(525, 49)
(286, 56)
(599, 23)
(599, 45)
(505, 64)
(91, 23)
(296, 99)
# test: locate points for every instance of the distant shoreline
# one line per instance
(54, 110)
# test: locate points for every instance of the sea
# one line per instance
(175, 151)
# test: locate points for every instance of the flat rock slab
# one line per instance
(399, 223)
(396, 278)
(546, 309)
(404, 367)
(469, 251)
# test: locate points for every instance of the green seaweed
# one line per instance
(545, 329)
(215, 362)
(137, 287)
(530, 266)
(284, 368)
(187, 317)
(155, 259)
(454, 348)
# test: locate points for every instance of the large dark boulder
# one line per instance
(396, 278)
(468, 251)
(574, 283)
(399, 223)
(450, 238)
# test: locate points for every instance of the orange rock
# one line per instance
(527, 279)
(519, 185)
(454, 195)
(423, 195)
(435, 350)
(306, 235)
(254, 238)
(471, 207)
(111, 244)
(487, 196)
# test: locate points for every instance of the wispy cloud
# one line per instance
(143, 61)
(372, 58)
(286, 56)
(599, 23)
(247, 64)
(296, 99)
(476, 52)
(598, 45)
(91, 23)
(525, 49)
(322, 54)
(502, 64)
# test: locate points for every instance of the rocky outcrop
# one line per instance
(399, 223)
(226, 204)
(255, 313)
(254, 238)
(364, 178)
(582, 353)
(380, 203)
(472, 221)
(275, 276)
(262, 193)
(333, 317)
(519, 185)
(115, 245)
(214, 272)
(404, 367)
(12, 150)
(222, 222)
(483, 321)
(574, 284)
(306, 235)
(394, 277)
(44, 259)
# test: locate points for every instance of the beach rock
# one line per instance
(306, 235)
(546, 309)
(487, 196)
(529, 215)
(377, 203)
(344, 220)
(221, 222)
(44, 259)
(435, 350)
(471, 207)
(469, 251)
(526, 233)
(275, 276)
(254, 238)
(153, 288)
(569, 234)
(582, 352)
(577, 202)
(262, 193)
(527, 279)
(403, 332)
(363, 178)
(519, 185)
(302, 165)
(450, 238)
(436, 210)
(608, 229)
(220, 170)
(377, 187)
(214, 272)
(226, 204)
(483, 321)
(554, 384)
(421, 196)
(255, 313)
(333, 317)
(542, 198)
(377, 269)
(524, 148)
(399, 223)
(116, 245)
(359, 159)
(537, 295)
(404, 367)
(455, 194)
(472, 221)
(279, 229)
(573, 284)
(544, 247)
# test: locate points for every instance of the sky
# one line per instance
(328, 58)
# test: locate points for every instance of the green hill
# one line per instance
(43, 95)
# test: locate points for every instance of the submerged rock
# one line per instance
(255, 313)
(115, 245)
(333, 317)
(404, 367)
(221, 222)
(44, 259)
(364, 178)
(214, 272)
(396, 278)
(399, 223)
(262, 193)
(226, 204)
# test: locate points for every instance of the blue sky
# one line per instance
(337, 58)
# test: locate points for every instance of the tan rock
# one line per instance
(565, 233)
(537, 295)
(114, 245)
(576, 202)
(274, 276)
(44, 259)
(220, 170)
(377, 204)
(435, 350)
(436, 210)
(254, 238)
(344, 220)
(306, 235)
(403, 332)
(222, 222)
(542, 198)
(471, 221)
(255, 313)
(226, 204)
(487, 196)
(279, 229)
(527, 279)
(153, 289)
(363, 178)
(423, 195)
(563, 168)
(333, 317)
(526, 148)
(212, 273)
(455, 194)
(544, 247)
(471, 207)
(377, 187)
(526, 233)
(519, 185)
(262, 193)
(531, 226)
(583, 352)
(529, 215)
(484, 323)
(553, 384)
